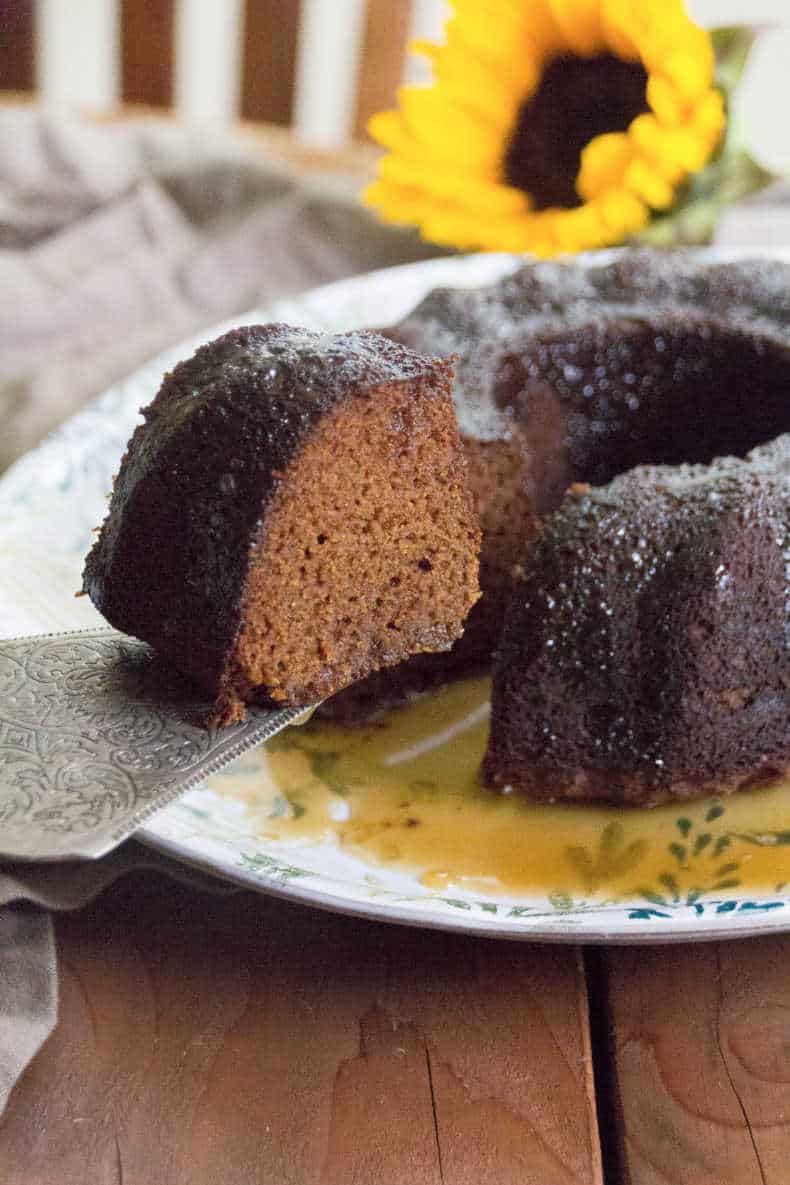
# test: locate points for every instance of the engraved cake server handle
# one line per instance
(96, 734)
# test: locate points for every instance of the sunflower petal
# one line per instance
(710, 117)
(579, 22)
(622, 212)
(689, 63)
(432, 119)
(478, 85)
(494, 40)
(603, 164)
(487, 197)
(686, 148)
(386, 128)
(395, 203)
(648, 184)
(664, 99)
(581, 229)
(618, 21)
(649, 140)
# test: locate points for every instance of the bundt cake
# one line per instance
(575, 373)
(645, 654)
(292, 514)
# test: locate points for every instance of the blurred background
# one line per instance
(316, 67)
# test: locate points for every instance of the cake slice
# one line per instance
(292, 515)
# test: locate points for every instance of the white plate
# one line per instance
(50, 500)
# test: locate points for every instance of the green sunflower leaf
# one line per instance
(692, 222)
(732, 45)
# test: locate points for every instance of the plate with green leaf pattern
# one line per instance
(390, 822)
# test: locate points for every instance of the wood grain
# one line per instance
(271, 29)
(16, 45)
(701, 1047)
(381, 59)
(147, 51)
(245, 1040)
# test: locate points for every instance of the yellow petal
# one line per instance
(665, 100)
(579, 22)
(495, 40)
(649, 185)
(648, 139)
(617, 23)
(570, 230)
(425, 49)
(654, 26)
(686, 148)
(622, 212)
(432, 120)
(452, 227)
(709, 117)
(387, 129)
(486, 196)
(543, 27)
(603, 163)
(396, 203)
(482, 88)
(689, 64)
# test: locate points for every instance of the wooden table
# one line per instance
(238, 1039)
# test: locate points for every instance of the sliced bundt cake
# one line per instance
(292, 514)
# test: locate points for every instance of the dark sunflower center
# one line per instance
(577, 100)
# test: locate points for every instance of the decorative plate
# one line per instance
(389, 822)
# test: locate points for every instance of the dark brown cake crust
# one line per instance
(645, 654)
(189, 505)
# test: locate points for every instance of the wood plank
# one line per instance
(701, 1049)
(147, 51)
(17, 72)
(271, 30)
(241, 1040)
(382, 59)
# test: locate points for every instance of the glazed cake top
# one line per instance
(545, 321)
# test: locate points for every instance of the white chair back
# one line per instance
(336, 62)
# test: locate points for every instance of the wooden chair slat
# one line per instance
(382, 57)
(17, 70)
(271, 31)
(147, 52)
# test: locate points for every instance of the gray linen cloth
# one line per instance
(116, 242)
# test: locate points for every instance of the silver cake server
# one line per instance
(96, 734)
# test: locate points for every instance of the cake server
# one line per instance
(96, 734)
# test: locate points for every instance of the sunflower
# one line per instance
(551, 125)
